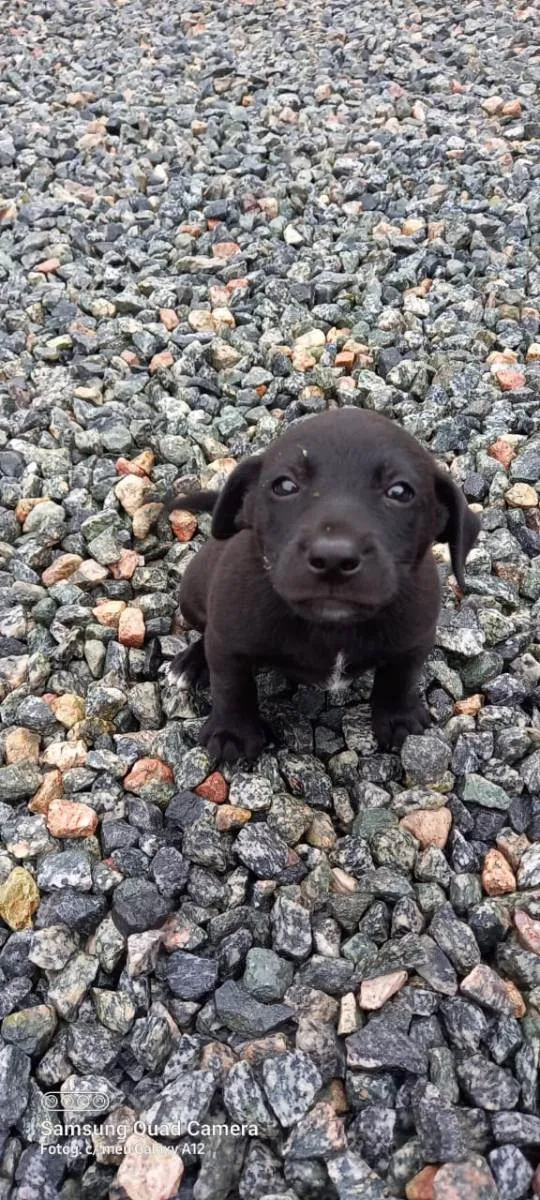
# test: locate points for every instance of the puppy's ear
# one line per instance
(231, 512)
(456, 524)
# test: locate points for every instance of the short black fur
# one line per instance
(321, 554)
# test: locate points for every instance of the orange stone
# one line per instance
(21, 745)
(68, 709)
(421, 1186)
(412, 226)
(214, 788)
(430, 826)
(51, 789)
(528, 931)
(512, 108)
(237, 285)
(168, 318)
(108, 612)
(24, 507)
(184, 524)
(147, 770)
(345, 358)
(127, 564)
(69, 818)
(48, 267)
(256, 1050)
(160, 361)
(502, 358)
(509, 378)
(497, 875)
(62, 567)
(131, 627)
(225, 250)
(470, 706)
(515, 998)
(230, 816)
(502, 451)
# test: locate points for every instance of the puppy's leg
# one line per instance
(234, 728)
(396, 708)
(189, 669)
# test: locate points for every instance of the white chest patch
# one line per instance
(338, 680)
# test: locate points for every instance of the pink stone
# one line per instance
(184, 524)
(149, 1170)
(214, 788)
(147, 770)
(61, 568)
(127, 564)
(67, 818)
(429, 826)
(528, 931)
(160, 361)
(375, 992)
(131, 627)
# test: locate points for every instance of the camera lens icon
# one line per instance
(91, 1102)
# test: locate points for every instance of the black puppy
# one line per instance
(320, 566)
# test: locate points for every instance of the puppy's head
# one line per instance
(344, 507)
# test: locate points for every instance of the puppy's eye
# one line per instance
(402, 492)
(284, 486)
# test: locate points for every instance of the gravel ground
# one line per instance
(216, 218)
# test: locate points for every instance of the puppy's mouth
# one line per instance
(332, 610)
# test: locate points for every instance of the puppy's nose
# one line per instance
(338, 554)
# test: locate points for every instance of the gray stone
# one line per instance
(266, 975)
(511, 1171)
(190, 976)
(381, 1045)
(18, 781)
(242, 1013)
(14, 1083)
(291, 1082)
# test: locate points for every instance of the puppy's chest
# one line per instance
(340, 674)
(330, 666)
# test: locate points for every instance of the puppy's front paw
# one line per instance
(189, 669)
(392, 726)
(227, 740)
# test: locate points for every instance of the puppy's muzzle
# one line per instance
(339, 555)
